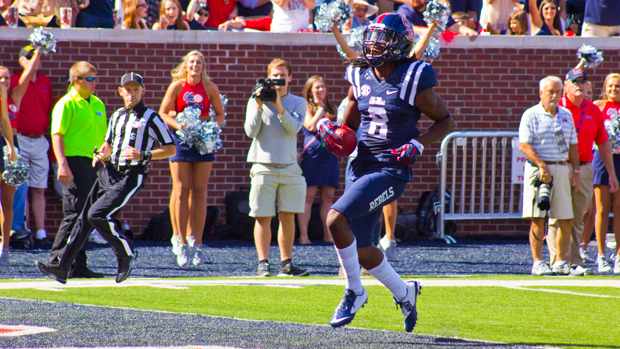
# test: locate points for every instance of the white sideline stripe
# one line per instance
(298, 282)
(565, 292)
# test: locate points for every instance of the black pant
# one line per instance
(110, 193)
(74, 198)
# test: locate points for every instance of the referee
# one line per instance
(132, 132)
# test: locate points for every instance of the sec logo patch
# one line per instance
(365, 90)
(13, 108)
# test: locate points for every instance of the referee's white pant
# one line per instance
(110, 193)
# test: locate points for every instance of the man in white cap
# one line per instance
(361, 11)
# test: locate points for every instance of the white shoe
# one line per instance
(560, 267)
(97, 238)
(389, 248)
(176, 244)
(198, 257)
(541, 268)
(182, 257)
(191, 247)
(578, 270)
(603, 265)
(584, 255)
(617, 265)
(4, 257)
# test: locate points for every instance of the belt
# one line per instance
(31, 136)
(278, 165)
(130, 169)
(560, 162)
(584, 162)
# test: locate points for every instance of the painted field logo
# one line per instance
(22, 330)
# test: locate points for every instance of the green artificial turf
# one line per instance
(499, 314)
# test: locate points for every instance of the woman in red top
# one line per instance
(9, 107)
(610, 106)
(190, 171)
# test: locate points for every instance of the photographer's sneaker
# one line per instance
(292, 270)
(263, 269)
(408, 305)
(617, 265)
(541, 268)
(389, 248)
(603, 265)
(176, 244)
(560, 268)
(348, 307)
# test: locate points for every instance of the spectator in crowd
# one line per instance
(190, 170)
(9, 107)
(96, 14)
(588, 217)
(170, 17)
(464, 19)
(517, 24)
(239, 23)
(588, 121)
(414, 12)
(291, 16)
(319, 166)
(130, 149)
(575, 10)
(198, 14)
(547, 136)
(34, 14)
(526, 7)
(221, 11)
(134, 13)
(78, 126)
(253, 9)
(33, 121)
(152, 12)
(609, 103)
(497, 13)
(361, 11)
(601, 18)
(276, 178)
(546, 18)
(471, 7)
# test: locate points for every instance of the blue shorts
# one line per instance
(363, 200)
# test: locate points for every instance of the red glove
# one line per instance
(327, 130)
(409, 152)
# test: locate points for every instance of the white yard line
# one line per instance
(300, 282)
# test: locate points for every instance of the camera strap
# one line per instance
(546, 229)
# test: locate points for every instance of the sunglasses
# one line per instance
(89, 79)
(362, 9)
(142, 5)
(203, 14)
(579, 81)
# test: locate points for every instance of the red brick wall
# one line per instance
(485, 88)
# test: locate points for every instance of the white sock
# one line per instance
(390, 279)
(351, 265)
(41, 234)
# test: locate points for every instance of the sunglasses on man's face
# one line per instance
(89, 79)
(580, 81)
(203, 14)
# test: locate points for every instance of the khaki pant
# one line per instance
(581, 201)
(599, 31)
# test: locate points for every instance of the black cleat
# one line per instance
(53, 271)
(124, 267)
(84, 273)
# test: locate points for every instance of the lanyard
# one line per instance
(583, 111)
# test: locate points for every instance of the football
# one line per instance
(349, 140)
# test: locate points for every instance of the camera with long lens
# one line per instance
(268, 93)
(544, 193)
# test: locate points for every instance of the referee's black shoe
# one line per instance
(125, 265)
(53, 271)
(84, 273)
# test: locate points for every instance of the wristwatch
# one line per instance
(147, 155)
(577, 171)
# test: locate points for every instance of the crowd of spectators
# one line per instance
(593, 18)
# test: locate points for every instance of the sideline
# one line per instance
(51, 285)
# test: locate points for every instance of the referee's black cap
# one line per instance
(132, 77)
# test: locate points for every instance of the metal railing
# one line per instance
(482, 186)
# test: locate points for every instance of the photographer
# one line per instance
(548, 138)
(275, 175)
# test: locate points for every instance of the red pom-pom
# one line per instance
(349, 140)
(448, 36)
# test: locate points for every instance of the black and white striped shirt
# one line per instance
(138, 128)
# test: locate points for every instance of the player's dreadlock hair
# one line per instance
(361, 62)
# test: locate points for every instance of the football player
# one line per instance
(389, 92)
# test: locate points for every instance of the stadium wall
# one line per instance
(487, 84)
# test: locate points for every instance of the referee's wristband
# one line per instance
(145, 156)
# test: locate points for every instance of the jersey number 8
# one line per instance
(378, 123)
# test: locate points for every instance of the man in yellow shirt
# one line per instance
(78, 126)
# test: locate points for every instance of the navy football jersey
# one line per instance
(389, 116)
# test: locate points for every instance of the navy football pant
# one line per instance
(363, 200)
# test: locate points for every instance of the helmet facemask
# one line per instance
(379, 46)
